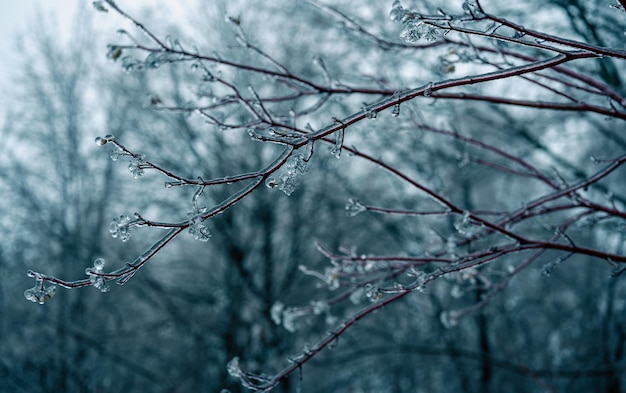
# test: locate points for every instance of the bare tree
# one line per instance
(465, 148)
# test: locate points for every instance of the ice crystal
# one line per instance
(198, 229)
(116, 154)
(413, 31)
(287, 178)
(464, 225)
(200, 232)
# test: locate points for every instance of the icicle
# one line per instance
(336, 150)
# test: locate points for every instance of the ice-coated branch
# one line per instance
(276, 100)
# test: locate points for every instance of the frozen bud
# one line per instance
(319, 307)
(276, 312)
(354, 207)
(372, 292)
(397, 12)
(114, 52)
(234, 369)
(39, 293)
(116, 154)
(99, 5)
(120, 227)
(98, 264)
(413, 31)
(100, 283)
(199, 231)
(136, 168)
(449, 319)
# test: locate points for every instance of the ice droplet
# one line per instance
(100, 141)
(271, 182)
(395, 111)
(429, 90)
(372, 292)
(397, 12)
(98, 264)
(254, 135)
(370, 113)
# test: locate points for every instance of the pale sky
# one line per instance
(17, 15)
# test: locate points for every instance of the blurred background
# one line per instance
(174, 326)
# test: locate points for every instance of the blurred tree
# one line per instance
(463, 150)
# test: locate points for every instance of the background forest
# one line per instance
(316, 196)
